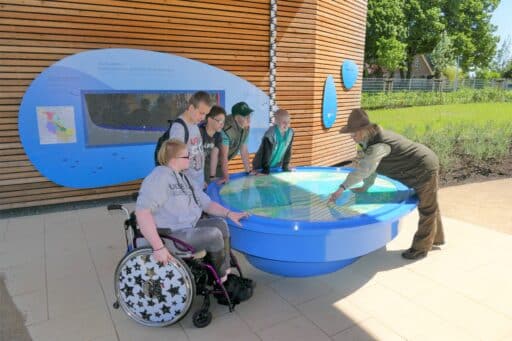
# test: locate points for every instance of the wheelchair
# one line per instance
(158, 295)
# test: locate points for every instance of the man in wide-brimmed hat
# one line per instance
(395, 156)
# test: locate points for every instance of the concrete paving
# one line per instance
(58, 270)
(486, 203)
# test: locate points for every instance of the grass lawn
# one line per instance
(460, 134)
(438, 116)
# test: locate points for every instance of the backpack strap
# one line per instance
(180, 121)
(165, 136)
(161, 140)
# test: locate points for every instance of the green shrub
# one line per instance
(401, 99)
(473, 132)
(489, 141)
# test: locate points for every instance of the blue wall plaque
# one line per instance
(349, 72)
(330, 102)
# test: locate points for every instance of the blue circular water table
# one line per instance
(293, 231)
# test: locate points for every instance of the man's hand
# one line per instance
(253, 172)
(237, 216)
(334, 196)
(223, 180)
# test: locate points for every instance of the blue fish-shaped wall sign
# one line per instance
(349, 72)
(330, 102)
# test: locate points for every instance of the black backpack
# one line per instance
(239, 289)
(165, 137)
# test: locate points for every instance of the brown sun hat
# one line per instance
(357, 119)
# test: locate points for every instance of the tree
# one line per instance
(487, 74)
(507, 72)
(419, 25)
(442, 55)
(390, 54)
(468, 25)
(451, 72)
(385, 23)
(424, 25)
(503, 57)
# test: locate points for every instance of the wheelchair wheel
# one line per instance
(150, 293)
(201, 318)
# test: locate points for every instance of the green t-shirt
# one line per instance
(282, 144)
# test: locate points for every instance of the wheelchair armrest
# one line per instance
(187, 254)
(182, 249)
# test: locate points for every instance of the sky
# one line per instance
(501, 18)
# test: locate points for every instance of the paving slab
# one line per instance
(61, 283)
(488, 204)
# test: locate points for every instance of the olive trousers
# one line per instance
(430, 226)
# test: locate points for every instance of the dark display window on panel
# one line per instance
(116, 118)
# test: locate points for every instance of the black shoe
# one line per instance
(413, 254)
(239, 290)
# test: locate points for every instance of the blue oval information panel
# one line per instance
(349, 72)
(93, 119)
(330, 103)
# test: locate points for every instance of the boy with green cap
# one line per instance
(235, 135)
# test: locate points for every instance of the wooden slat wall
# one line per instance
(295, 71)
(313, 37)
(340, 35)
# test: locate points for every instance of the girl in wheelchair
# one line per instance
(168, 200)
(168, 212)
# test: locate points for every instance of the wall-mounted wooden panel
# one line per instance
(313, 38)
(340, 35)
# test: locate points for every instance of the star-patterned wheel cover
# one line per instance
(152, 294)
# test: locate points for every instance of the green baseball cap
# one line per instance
(242, 109)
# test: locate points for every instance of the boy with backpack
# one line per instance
(185, 129)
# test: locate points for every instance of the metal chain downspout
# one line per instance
(273, 59)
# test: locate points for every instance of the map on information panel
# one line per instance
(56, 124)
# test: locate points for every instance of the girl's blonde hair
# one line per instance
(170, 150)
